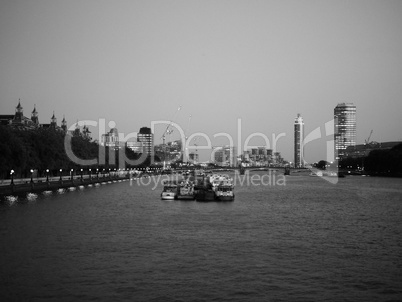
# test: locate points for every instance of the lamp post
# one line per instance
(47, 175)
(61, 179)
(32, 182)
(12, 177)
(81, 176)
(71, 173)
(97, 173)
(12, 181)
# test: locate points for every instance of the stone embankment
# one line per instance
(19, 188)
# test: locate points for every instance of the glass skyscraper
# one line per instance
(299, 137)
(345, 128)
(146, 137)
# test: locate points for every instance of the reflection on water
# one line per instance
(306, 240)
(33, 196)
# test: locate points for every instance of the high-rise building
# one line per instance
(299, 137)
(344, 128)
(146, 137)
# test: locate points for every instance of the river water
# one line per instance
(297, 238)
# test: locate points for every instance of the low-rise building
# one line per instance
(111, 139)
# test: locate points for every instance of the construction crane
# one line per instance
(367, 141)
(183, 148)
(188, 127)
(168, 131)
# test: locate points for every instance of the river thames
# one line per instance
(302, 240)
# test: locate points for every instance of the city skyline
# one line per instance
(262, 62)
(344, 125)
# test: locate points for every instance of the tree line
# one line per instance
(378, 162)
(43, 149)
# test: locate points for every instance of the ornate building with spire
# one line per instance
(34, 116)
(53, 124)
(64, 124)
(53, 121)
(19, 121)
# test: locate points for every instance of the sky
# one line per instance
(257, 63)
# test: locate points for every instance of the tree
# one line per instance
(385, 161)
(322, 164)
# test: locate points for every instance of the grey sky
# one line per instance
(262, 61)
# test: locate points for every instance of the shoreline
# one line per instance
(41, 186)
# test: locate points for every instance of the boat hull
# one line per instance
(186, 197)
(205, 196)
(168, 196)
(225, 198)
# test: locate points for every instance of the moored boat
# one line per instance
(223, 187)
(225, 193)
(170, 191)
(205, 194)
(204, 191)
(186, 190)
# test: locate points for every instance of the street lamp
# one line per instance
(97, 173)
(12, 177)
(32, 176)
(47, 175)
(90, 174)
(71, 172)
(60, 175)
(81, 175)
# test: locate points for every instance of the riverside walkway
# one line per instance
(20, 187)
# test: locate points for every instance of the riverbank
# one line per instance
(21, 189)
